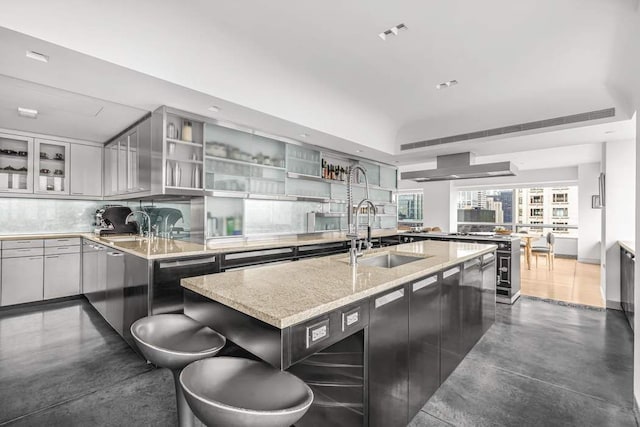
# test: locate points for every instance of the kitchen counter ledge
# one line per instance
(161, 248)
(286, 294)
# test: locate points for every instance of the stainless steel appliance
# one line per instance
(507, 258)
(111, 219)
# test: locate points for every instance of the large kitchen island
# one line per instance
(373, 341)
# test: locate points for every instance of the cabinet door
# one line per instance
(115, 290)
(52, 170)
(451, 351)
(21, 280)
(111, 169)
(123, 148)
(89, 271)
(16, 164)
(489, 280)
(61, 275)
(471, 304)
(424, 342)
(132, 162)
(86, 170)
(388, 359)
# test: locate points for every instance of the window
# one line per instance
(410, 207)
(483, 210)
(560, 198)
(561, 212)
(538, 209)
(536, 199)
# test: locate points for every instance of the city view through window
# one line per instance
(536, 209)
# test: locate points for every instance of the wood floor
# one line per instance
(570, 281)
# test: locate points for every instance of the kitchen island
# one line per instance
(374, 343)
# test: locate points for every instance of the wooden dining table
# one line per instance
(528, 239)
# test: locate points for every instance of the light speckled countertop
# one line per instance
(160, 248)
(286, 294)
(628, 245)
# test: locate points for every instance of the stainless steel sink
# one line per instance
(388, 260)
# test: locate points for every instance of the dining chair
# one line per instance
(546, 250)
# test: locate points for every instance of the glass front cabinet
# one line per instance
(52, 160)
(16, 160)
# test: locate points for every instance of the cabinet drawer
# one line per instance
(24, 252)
(56, 250)
(17, 244)
(67, 241)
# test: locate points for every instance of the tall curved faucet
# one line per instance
(127, 220)
(354, 251)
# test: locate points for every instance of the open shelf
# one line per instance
(189, 143)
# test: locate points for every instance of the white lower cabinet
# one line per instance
(61, 275)
(22, 280)
(33, 270)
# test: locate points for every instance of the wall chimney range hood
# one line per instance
(458, 166)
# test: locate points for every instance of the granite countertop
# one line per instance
(628, 245)
(286, 294)
(160, 248)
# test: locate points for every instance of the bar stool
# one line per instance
(234, 392)
(173, 341)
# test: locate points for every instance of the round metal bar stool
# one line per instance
(173, 341)
(234, 392)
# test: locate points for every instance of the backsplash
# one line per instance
(25, 216)
(38, 216)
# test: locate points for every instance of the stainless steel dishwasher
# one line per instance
(167, 295)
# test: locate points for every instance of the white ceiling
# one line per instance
(319, 67)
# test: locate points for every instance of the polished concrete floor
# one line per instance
(569, 281)
(540, 365)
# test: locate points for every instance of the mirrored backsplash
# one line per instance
(35, 216)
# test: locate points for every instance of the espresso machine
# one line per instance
(110, 219)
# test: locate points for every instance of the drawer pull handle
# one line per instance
(471, 264)
(424, 283)
(389, 298)
(451, 272)
(116, 254)
(182, 263)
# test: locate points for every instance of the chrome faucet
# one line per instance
(128, 219)
(356, 249)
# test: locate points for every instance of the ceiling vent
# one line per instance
(458, 166)
(557, 121)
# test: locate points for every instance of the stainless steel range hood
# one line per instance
(458, 166)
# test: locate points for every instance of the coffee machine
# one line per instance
(110, 219)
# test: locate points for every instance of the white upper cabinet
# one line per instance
(16, 164)
(86, 170)
(52, 166)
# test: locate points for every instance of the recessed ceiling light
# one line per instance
(393, 31)
(304, 135)
(214, 109)
(28, 112)
(610, 131)
(359, 151)
(37, 56)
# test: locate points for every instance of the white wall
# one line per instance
(439, 203)
(589, 227)
(619, 212)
